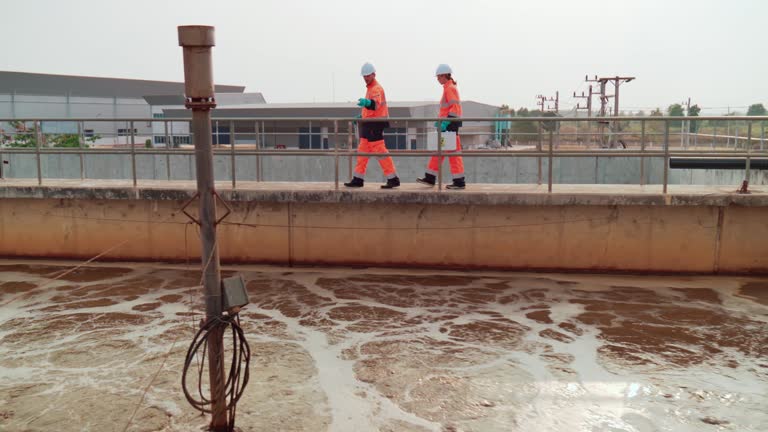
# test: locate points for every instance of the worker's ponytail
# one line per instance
(450, 78)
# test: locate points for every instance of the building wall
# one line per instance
(23, 106)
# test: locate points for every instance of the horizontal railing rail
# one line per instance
(340, 133)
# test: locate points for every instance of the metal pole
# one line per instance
(258, 148)
(81, 142)
(198, 79)
(133, 154)
(745, 187)
(37, 151)
(350, 143)
(232, 144)
(336, 154)
(666, 154)
(538, 158)
(167, 147)
(550, 159)
(439, 160)
(642, 150)
(615, 113)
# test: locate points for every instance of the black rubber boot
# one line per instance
(428, 179)
(458, 183)
(391, 183)
(356, 182)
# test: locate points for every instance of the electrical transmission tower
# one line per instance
(588, 97)
(617, 81)
(544, 99)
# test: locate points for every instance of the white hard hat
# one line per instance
(443, 69)
(367, 69)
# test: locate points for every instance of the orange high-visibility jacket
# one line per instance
(450, 104)
(374, 131)
(376, 94)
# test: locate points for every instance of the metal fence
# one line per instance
(543, 138)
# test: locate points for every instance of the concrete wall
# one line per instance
(614, 170)
(383, 232)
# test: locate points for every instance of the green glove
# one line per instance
(365, 103)
(357, 117)
(443, 125)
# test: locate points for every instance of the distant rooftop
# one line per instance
(85, 86)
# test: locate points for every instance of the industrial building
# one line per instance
(32, 96)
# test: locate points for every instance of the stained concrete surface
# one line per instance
(408, 193)
(389, 350)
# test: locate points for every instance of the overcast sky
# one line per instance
(501, 51)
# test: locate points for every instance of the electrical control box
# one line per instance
(235, 294)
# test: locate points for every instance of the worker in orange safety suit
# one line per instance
(450, 108)
(373, 105)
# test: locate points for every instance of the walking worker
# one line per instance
(373, 105)
(450, 107)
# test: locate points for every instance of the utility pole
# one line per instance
(544, 99)
(549, 108)
(589, 101)
(199, 91)
(589, 111)
(603, 104)
(687, 123)
(616, 81)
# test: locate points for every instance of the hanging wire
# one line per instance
(238, 375)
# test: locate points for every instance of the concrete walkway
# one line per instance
(486, 194)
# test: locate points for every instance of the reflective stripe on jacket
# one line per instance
(376, 94)
(450, 104)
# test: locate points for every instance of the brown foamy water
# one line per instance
(378, 350)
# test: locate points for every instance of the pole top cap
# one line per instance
(196, 36)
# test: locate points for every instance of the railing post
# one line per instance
(258, 150)
(232, 144)
(439, 159)
(538, 148)
(642, 150)
(745, 184)
(168, 150)
(38, 143)
(336, 154)
(550, 161)
(350, 145)
(666, 154)
(133, 153)
(81, 143)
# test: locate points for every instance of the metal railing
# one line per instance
(550, 138)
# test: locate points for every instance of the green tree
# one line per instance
(675, 110)
(757, 110)
(550, 126)
(23, 137)
(63, 140)
(525, 131)
(694, 111)
(655, 126)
